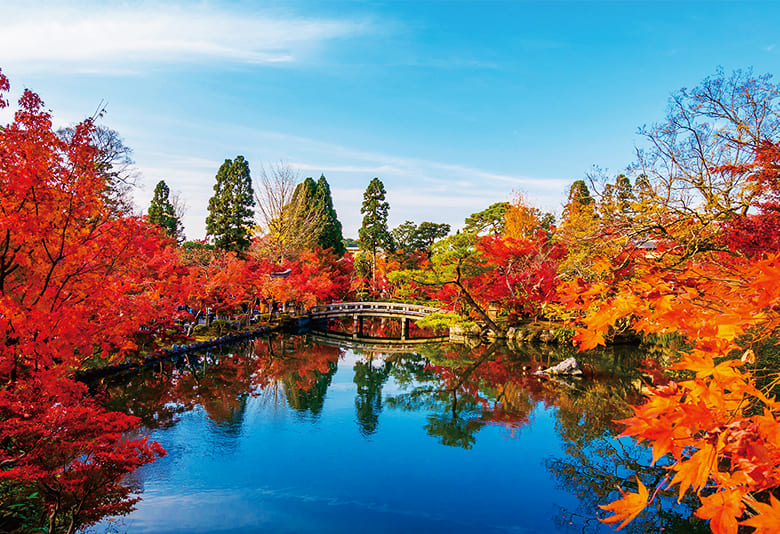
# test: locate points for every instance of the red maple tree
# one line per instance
(77, 283)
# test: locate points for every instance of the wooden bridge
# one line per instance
(359, 310)
(372, 309)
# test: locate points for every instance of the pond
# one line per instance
(290, 435)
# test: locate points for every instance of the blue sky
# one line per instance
(454, 105)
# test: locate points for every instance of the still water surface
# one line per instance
(286, 435)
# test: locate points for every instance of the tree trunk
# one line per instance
(194, 323)
(484, 316)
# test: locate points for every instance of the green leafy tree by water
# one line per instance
(231, 211)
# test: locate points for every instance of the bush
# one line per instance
(222, 327)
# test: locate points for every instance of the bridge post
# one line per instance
(357, 326)
(404, 328)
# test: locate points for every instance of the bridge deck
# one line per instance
(375, 309)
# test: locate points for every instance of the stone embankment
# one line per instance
(88, 375)
(531, 332)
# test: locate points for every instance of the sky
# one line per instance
(453, 105)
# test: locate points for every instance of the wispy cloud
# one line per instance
(418, 189)
(375, 163)
(121, 39)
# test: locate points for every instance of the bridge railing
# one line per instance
(349, 308)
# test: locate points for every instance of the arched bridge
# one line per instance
(358, 310)
(372, 309)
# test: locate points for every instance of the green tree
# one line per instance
(408, 237)
(230, 208)
(455, 261)
(404, 237)
(305, 195)
(429, 232)
(490, 220)
(161, 211)
(374, 234)
(330, 235)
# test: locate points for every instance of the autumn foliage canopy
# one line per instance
(83, 285)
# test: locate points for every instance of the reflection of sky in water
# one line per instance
(270, 470)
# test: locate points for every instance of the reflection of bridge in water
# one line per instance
(359, 310)
(374, 344)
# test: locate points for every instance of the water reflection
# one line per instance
(370, 375)
(432, 424)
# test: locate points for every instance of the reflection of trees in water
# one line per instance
(221, 382)
(304, 369)
(467, 389)
(463, 390)
(596, 461)
(370, 376)
(310, 399)
(463, 387)
(593, 469)
(456, 426)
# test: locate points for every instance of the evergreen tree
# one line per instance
(306, 195)
(624, 193)
(374, 234)
(409, 237)
(404, 237)
(162, 213)
(490, 221)
(580, 202)
(330, 236)
(230, 208)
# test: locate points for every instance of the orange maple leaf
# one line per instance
(589, 339)
(768, 519)
(695, 471)
(628, 507)
(722, 509)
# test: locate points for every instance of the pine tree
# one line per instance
(330, 236)
(374, 234)
(230, 208)
(161, 211)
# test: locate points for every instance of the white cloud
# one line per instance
(117, 39)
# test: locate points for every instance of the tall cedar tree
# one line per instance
(579, 199)
(161, 210)
(330, 236)
(307, 188)
(374, 234)
(230, 209)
